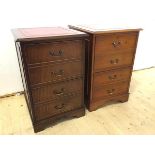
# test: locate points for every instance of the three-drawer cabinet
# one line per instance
(52, 66)
(109, 64)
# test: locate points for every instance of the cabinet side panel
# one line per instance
(90, 58)
(24, 82)
(133, 59)
(87, 44)
(91, 67)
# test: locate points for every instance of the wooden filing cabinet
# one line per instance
(109, 64)
(52, 66)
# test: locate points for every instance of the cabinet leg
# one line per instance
(95, 106)
(124, 98)
(38, 128)
(41, 125)
(79, 114)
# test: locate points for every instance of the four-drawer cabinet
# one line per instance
(52, 66)
(109, 64)
(65, 69)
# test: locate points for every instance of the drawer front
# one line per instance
(57, 90)
(55, 51)
(109, 90)
(113, 60)
(49, 109)
(107, 42)
(55, 72)
(103, 78)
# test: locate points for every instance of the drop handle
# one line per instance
(57, 73)
(59, 92)
(114, 61)
(111, 91)
(116, 43)
(56, 53)
(113, 77)
(60, 106)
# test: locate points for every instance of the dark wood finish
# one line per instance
(55, 72)
(49, 109)
(110, 62)
(113, 60)
(42, 124)
(109, 100)
(56, 90)
(101, 92)
(52, 64)
(115, 75)
(55, 51)
(115, 41)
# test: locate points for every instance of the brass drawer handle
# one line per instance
(110, 92)
(59, 106)
(112, 77)
(116, 43)
(56, 54)
(57, 92)
(114, 62)
(57, 73)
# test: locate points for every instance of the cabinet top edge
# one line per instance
(41, 33)
(95, 30)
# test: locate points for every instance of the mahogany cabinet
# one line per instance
(109, 64)
(52, 66)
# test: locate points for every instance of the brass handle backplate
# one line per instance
(111, 91)
(60, 106)
(115, 61)
(56, 53)
(57, 73)
(116, 43)
(59, 92)
(113, 77)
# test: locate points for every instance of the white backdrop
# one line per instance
(35, 13)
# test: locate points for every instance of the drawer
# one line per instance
(113, 60)
(49, 109)
(55, 72)
(116, 41)
(57, 90)
(103, 78)
(110, 90)
(54, 51)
